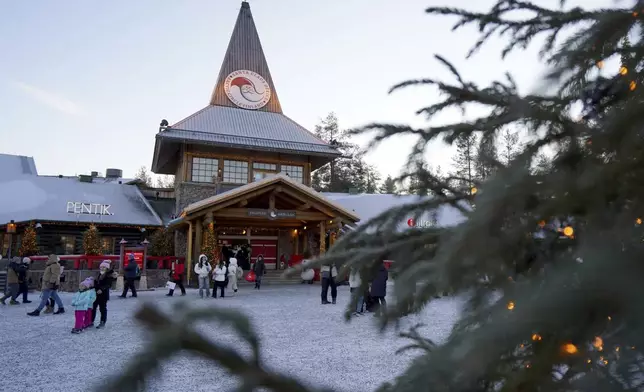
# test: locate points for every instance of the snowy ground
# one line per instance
(300, 337)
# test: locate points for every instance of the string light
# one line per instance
(638, 221)
(632, 85)
(527, 365)
(536, 337)
(635, 13)
(474, 190)
(623, 70)
(570, 348)
(568, 231)
(510, 305)
(617, 349)
(598, 343)
(588, 360)
(542, 224)
(609, 318)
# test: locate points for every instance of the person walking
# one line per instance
(354, 286)
(50, 285)
(131, 273)
(13, 282)
(219, 276)
(328, 274)
(259, 269)
(202, 269)
(90, 303)
(379, 289)
(23, 280)
(103, 284)
(234, 273)
(177, 273)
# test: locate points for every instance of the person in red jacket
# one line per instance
(177, 273)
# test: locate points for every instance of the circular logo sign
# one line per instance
(247, 89)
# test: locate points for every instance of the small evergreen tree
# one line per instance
(92, 244)
(486, 158)
(465, 161)
(161, 243)
(210, 246)
(29, 244)
(388, 186)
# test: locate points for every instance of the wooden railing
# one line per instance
(81, 262)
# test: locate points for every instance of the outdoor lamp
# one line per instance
(145, 242)
(38, 226)
(11, 227)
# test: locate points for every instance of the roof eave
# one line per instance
(331, 155)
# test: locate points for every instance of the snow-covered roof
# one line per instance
(24, 198)
(102, 180)
(368, 206)
(12, 166)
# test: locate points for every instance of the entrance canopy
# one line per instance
(276, 201)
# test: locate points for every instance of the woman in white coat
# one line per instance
(219, 276)
(202, 269)
(233, 270)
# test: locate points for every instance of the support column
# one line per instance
(322, 237)
(198, 238)
(143, 283)
(119, 280)
(189, 254)
(296, 243)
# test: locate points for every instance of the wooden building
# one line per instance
(243, 166)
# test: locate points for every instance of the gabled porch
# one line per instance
(274, 213)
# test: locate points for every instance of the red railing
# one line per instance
(92, 262)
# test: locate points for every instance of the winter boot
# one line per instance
(333, 301)
(49, 309)
(76, 331)
(60, 311)
(2, 300)
(12, 302)
(26, 302)
(101, 325)
(34, 313)
(325, 302)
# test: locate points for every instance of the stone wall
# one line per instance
(180, 243)
(188, 193)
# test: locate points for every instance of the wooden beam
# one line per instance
(243, 203)
(189, 253)
(243, 213)
(304, 206)
(271, 201)
(278, 224)
(231, 201)
(322, 237)
(313, 204)
(198, 237)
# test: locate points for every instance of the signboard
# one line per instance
(272, 214)
(247, 89)
(77, 207)
(138, 257)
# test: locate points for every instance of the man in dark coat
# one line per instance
(13, 282)
(23, 280)
(259, 269)
(379, 289)
(131, 273)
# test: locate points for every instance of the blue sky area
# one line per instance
(84, 84)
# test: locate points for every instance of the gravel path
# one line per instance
(300, 337)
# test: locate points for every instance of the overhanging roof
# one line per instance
(279, 179)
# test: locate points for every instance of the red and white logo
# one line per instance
(247, 89)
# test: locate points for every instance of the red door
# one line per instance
(267, 248)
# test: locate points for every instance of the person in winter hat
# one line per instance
(91, 294)
(23, 280)
(233, 275)
(131, 273)
(378, 289)
(103, 283)
(355, 282)
(13, 282)
(50, 285)
(202, 269)
(219, 276)
(80, 302)
(259, 269)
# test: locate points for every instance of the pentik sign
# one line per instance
(77, 207)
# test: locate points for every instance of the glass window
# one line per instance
(265, 166)
(108, 245)
(294, 172)
(68, 242)
(204, 169)
(235, 172)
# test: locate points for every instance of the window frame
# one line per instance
(65, 244)
(201, 167)
(300, 171)
(264, 168)
(239, 174)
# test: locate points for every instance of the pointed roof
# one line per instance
(245, 53)
(244, 111)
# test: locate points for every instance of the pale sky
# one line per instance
(84, 84)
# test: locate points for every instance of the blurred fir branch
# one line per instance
(542, 314)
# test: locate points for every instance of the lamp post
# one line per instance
(119, 279)
(143, 283)
(11, 230)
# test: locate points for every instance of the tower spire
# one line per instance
(244, 78)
